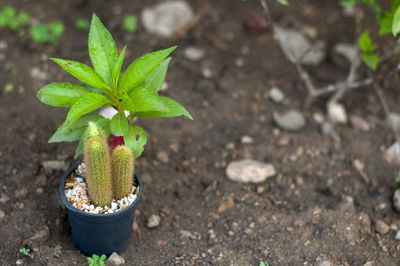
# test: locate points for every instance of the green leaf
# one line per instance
(142, 100)
(347, 3)
(386, 23)
(135, 139)
(84, 73)
(371, 60)
(365, 42)
(174, 109)
(155, 79)
(130, 23)
(396, 22)
(141, 68)
(395, 5)
(102, 49)
(119, 124)
(82, 24)
(103, 257)
(117, 67)
(90, 260)
(61, 94)
(86, 104)
(7, 14)
(75, 130)
(375, 6)
(283, 2)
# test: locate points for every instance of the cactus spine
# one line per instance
(98, 166)
(122, 165)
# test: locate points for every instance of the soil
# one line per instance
(317, 208)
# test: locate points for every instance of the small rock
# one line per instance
(19, 262)
(53, 165)
(185, 233)
(2, 215)
(369, 263)
(381, 227)
(154, 221)
(248, 231)
(230, 146)
(249, 171)
(165, 18)
(325, 263)
(3, 45)
(115, 259)
(211, 234)
(57, 251)
(246, 140)
(114, 206)
(365, 223)
(193, 53)
(162, 156)
(392, 154)
(292, 120)
(394, 121)
(260, 189)
(239, 62)
(227, 203)
(397, 236)
(337, 112)
(299, 46)
(359, 123)
(318, 118)
(310, 31)
(396, 199)
(276, 95)
(21, 193)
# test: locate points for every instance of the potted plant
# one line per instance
(98, 227)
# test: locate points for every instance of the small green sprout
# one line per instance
(47, 32)
(130, 23)
(96, 260)
(9, 17)
(307, 243)
(224, 155)
(24, 251)
(9, 87)
(397, 180)
(82, 24)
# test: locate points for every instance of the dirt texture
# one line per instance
(317, 208)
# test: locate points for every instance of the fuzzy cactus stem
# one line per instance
(98, 166)
(122, 165)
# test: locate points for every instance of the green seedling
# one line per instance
(263, 263)
(135, 90)
(96, 260)
(9, 87)
(397, 180)
(130, 23)
(82, 24)
(10, 18)
(24, 251)
(47, 32)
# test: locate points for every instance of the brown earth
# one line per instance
(317, 208)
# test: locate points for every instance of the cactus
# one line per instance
(98, 166)
(122, 166)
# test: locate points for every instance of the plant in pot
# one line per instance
(101, 194)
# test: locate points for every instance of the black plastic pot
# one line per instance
(100, 233)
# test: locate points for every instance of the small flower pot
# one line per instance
(100, 233)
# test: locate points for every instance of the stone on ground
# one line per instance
(248, 170)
